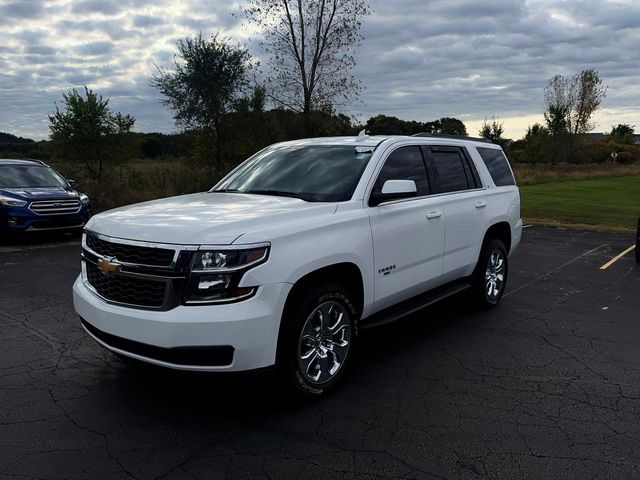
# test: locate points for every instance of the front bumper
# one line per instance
(21, 219)
(171, 338)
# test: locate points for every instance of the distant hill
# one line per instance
(9, 138)
(12, 146)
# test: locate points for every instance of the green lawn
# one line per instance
(610, 203)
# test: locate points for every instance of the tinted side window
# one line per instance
(405, 163)
(497, 165)
(448, 170)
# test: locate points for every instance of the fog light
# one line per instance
(13, 221)
(212, 281)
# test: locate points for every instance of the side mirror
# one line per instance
(71, 182)
(394, 190)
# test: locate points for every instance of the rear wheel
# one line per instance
(318, 338)
(490, 276)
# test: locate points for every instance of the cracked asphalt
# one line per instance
(547, 385)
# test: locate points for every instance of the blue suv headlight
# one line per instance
(11, 202)
(84, 198)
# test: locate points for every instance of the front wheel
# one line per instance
(490, 276)
(317, 342)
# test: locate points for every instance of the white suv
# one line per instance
(295, 251)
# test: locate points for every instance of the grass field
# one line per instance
(609, 203)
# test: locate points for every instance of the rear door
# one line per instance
(408, 234)
(454, 178)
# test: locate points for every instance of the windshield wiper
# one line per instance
(280, 193)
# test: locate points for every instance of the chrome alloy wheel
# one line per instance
(324, 342)
(494, 274)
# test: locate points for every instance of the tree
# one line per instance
(387, 125)
(587, 94)
(623, 133)
(446, 126)
(152, 147)
(310, 45)
(536, 144)
(556, 119)
(209, 77)
(254, 103)
(451, 126)
(86, 130)
(492, 130)
(570, 103)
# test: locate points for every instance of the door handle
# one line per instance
(431, 215)
(481, 204)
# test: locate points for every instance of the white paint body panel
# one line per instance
(424, 249)
(407, 248)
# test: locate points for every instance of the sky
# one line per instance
(419, 60)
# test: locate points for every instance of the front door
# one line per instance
(408, 235)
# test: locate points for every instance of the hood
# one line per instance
(203, 218)
(40, 193)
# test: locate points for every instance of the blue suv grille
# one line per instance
(55, 207)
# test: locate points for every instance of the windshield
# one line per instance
(319, 173)
(23, 176)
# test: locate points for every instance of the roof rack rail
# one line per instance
(457, 137)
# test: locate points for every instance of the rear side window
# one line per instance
(405, 163)
(448, 170)
(497, 165)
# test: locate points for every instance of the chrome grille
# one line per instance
(130, 253)
(55, 207)
(146, 275)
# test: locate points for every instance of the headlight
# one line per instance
(12, 202)
(84, 199)
(216, 274)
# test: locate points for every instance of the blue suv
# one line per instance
(34, 197)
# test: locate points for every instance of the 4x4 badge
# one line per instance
(108, 265)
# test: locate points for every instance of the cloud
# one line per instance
(418, 60)
(144, 21)
(22, 10)
(95, 48)
(97, 6)
(41, 50)
(477, 59)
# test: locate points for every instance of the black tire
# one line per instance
(487, 273)
(303, 316)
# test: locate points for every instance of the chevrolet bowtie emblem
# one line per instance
(108, 265)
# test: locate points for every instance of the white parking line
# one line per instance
(551, 272)
(527, 226)
(616, 258)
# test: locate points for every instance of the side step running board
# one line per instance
(414, 304)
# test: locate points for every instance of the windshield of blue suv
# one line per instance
(315, 173)
(26, 176)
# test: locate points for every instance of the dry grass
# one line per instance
(139, 180)
(527, 174)
(547, 222)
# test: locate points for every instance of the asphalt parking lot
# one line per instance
(547, 385)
